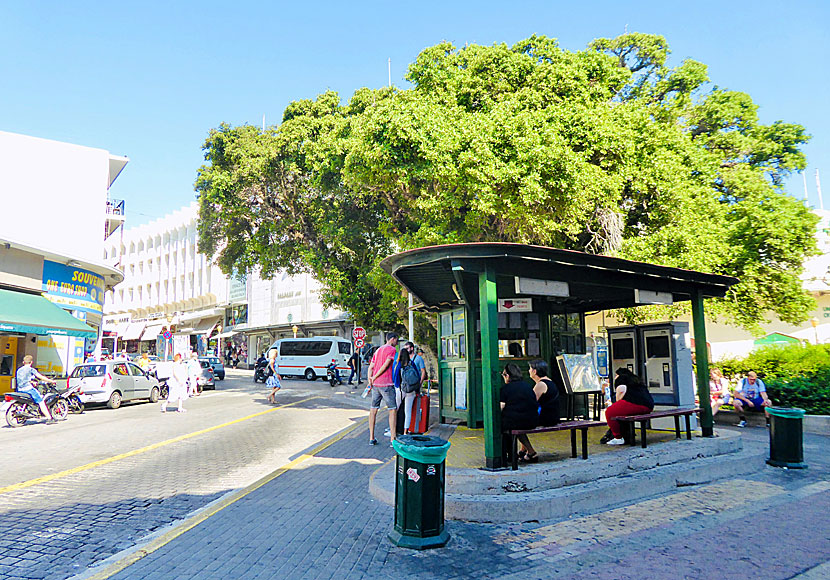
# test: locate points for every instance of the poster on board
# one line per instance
(579, 372)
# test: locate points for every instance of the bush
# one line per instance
(796, 375)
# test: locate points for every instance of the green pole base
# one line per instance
(416, 543)
(776, 463)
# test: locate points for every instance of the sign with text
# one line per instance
(515, 305)
(359, 333)
(73, 288)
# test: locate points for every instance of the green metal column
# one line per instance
(707, 421)
(490, 377)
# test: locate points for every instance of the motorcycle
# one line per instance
(21, 407)
(72, 396)
(333, 375)
(260, 371)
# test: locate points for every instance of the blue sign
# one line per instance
(602, 361)
(73, 288)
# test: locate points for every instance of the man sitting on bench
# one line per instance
(751, 394)
(633, 398)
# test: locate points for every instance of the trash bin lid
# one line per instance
(421, 448)
(787, 412)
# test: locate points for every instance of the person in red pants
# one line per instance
(633, 398)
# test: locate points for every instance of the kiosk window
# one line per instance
(453, 334)
(623, 348)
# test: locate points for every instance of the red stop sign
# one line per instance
(358, 333)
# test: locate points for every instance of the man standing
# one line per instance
(383, 385)
(24, 377)
(354, 365)
(751, 393)
(194, 372)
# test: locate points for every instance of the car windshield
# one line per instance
(214, 361)
(83, 372)
(205, 364)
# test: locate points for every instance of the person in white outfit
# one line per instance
(176, 385)
(194, 371)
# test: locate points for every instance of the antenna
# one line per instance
(389, 70)
(818, 190)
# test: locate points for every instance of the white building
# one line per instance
(56, 210)
(167, 283)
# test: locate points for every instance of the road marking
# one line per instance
(210, 510)
(100, 462)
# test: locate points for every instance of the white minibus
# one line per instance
(309, 357)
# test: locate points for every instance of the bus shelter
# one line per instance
(506, 302)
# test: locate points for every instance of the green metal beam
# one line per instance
(707, 421)
(490, 377)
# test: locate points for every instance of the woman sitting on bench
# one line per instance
(519, 409)
(633, 398)
(547, 397)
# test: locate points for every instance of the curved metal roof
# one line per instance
(441, 277)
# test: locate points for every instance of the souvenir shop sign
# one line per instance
(73, 288)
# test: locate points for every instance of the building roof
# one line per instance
(441, 277)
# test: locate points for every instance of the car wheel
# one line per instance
(309, 375)
(154, 395)
(115, 400)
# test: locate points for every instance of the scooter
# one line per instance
(259, 371)
(72, 396)
(22, 407)
(333, 375)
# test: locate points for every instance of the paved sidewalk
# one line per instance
(318, 521)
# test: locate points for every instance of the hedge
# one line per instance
(796, 375)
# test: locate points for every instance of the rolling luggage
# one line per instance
(420, 415)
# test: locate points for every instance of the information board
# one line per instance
(579, 372)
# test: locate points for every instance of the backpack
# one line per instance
(410, 378)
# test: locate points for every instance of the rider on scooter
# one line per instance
(24, 377)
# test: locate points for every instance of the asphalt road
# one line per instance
(74, 493)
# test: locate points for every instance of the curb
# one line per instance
(160, 538)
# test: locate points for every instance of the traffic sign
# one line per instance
(358, 343)
(358, 333)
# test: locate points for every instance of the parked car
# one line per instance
(206, 381)
(216, 364)
(112, 382)
(309, 357)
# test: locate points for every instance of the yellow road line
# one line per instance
(53, 476)
(212, 509)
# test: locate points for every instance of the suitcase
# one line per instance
(419, 422)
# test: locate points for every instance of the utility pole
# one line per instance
(389, 71)
(818, 190)
(804, 177)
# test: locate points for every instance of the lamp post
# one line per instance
(295, 328)
(814, 322)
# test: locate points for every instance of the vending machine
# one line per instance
(660, 354)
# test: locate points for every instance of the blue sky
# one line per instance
(149, 80)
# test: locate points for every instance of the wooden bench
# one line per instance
(571, 426)
(630, 420)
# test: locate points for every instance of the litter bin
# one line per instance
(419, 492)
(786, 437)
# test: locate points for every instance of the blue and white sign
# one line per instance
(73, 288)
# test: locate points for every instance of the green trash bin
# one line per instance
(419, 492)
(786, 437)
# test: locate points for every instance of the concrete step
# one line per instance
(632, 475)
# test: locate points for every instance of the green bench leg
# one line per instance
(573, 443)
(677, 427)
(688, 427)
(584, 442)
(643, 433)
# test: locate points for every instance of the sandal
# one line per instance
(521, 455)
(530, 458)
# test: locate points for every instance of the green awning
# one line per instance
(776, 338)
(20, 312)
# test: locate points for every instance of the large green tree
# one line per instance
(606, 150)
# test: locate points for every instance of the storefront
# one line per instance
(500, 303)
(31, 324)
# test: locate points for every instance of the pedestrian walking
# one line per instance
(272, 374)
(354, 366)
(194, 371)
(176, 385)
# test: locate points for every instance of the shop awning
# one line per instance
(152, 332)
(134, 331)
(206, 326)
(21, 312)
(228, 334)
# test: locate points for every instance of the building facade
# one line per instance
(56, 210)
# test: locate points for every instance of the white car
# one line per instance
(112, 382)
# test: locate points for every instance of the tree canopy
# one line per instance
(606, 150)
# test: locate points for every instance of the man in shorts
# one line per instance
(25, 376)
(383, 385)
(751, 394)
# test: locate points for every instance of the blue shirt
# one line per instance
(751, 391)
(24, 377)
(419, 363)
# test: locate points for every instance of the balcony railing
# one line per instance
(115, 206)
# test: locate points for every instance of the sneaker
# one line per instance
(741, 424)
(373, 441)
(386, 433)
(618, 441)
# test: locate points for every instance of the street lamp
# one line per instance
(295, 328)
(814, 322)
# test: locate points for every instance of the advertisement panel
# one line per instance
(73, 288)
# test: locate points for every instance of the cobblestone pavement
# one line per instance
(318, 521)
(56, 528)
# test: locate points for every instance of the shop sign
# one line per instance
(238, 290)
(73, 288)
(516, 305)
